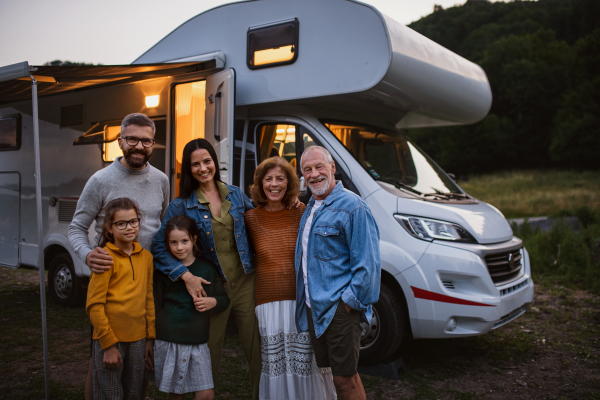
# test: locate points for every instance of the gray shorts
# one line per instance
(182, 368)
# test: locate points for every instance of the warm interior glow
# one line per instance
(111, 150)
(189, 120)
(270, 56)
(152, 101)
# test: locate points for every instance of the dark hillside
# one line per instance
(542, 59)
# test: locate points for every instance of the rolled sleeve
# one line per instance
(350, 299)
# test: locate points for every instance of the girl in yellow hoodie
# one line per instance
(121, 307)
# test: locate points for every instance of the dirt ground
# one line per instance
(551, 352)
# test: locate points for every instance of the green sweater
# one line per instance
(177, 319)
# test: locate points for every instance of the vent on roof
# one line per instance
(66, 210)
(71, 115)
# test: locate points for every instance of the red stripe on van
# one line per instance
(427, 295)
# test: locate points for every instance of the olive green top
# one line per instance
(223, 234)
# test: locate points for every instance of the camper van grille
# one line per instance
(71, 115)
(504, 267)
(66, 210)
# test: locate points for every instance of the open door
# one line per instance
(219, 117)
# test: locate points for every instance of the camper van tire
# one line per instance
(382, 338)
(65, 287)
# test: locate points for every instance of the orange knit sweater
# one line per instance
(273, 237)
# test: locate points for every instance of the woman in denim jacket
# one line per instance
(218, 210)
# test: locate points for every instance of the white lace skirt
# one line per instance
(289, 369)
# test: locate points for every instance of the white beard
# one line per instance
(323, 190)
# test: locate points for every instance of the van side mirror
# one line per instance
(302, 185)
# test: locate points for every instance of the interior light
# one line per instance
(271, 56)
(280, 130)
(292, 129)
(152, 101)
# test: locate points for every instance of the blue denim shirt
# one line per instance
(343, 260)
(171, 266)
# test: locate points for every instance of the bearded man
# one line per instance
(338, 271)
(128, 176)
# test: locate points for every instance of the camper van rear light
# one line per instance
(152, 101)
(272, 45)
(430, 229)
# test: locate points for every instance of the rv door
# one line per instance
(219, 117)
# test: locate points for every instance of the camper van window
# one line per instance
(273, 45)
(111, 150)
(10, 132)
(389, 156)
(277, 140)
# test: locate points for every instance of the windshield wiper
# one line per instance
(449, 195)
(398, 184)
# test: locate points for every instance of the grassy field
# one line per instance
(534, 193)
(551, 352)
(559, 256)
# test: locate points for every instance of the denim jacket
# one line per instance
(343, 260)
(171, 266)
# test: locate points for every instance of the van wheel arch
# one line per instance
(390, 327)
(65, 287)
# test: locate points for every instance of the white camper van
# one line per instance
(272, 77)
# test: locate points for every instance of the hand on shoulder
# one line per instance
(98, 260)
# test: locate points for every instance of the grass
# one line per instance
(534, 193)
(559, 256)
(561, 333)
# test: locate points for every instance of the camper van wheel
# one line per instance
(64, 285)
(383, 336)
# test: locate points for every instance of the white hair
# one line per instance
(323, 150)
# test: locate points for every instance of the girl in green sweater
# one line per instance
(181, 356)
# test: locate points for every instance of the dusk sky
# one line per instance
(118, 31)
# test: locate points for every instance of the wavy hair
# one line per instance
(257, 192)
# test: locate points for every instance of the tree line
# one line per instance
(542, 59)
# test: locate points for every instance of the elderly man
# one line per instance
(128, 176)
(338, 271)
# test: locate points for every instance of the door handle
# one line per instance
(217, 114)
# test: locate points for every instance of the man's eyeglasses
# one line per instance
(123, 224)
(133, 141)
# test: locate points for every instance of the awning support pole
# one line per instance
(38, 206)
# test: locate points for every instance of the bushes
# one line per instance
(563, 256)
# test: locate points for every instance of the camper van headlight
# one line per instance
(432, 229)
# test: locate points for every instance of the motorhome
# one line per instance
(272, 77)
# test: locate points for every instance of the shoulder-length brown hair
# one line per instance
(257, 192)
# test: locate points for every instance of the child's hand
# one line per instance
(149, 356)
(205, 303)
(112, 358)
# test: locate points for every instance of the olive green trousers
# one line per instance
(240, 290)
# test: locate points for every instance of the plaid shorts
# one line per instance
(125, 382)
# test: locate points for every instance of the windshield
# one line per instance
(389, 156)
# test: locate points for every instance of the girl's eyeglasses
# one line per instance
(123, 224)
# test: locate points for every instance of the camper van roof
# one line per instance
(348, 54)
(61, 79)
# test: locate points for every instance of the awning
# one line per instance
(60, 79)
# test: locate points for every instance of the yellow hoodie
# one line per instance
(119, 301)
